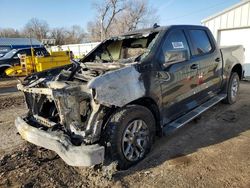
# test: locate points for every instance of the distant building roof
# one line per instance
(242, 2)
(18, 41)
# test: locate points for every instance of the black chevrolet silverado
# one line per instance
(111, 104)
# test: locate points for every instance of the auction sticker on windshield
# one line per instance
(177, 45)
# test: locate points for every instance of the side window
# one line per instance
(41, 52)
(21, 52)
(18, 54)
(26, 52)
(15, 56)
(38, 52)
(201, 42)
(175, 47)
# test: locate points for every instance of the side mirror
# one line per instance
(175, 56)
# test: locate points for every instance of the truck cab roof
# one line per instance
(162, 28)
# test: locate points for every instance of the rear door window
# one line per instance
(200, 41)
(26, 52)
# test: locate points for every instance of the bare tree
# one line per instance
(94, 31)
(120, 16)
(10, 32)
(74, 35)
(137, 14)
(107, 12)
(39, 29)
(36, 28)
(59, 35)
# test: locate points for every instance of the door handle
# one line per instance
(163, 76)
(194, 66)
(217, 59)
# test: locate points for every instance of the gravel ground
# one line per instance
(211, 152)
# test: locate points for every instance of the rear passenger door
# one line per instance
(206, 58)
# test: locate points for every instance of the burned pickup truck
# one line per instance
(112, 103)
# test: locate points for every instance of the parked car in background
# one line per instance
(13, 57)
(8, 44)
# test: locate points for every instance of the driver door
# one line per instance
(177, 76)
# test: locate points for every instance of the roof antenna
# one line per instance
(156, 25)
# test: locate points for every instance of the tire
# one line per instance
(129, 135)
(233, 89)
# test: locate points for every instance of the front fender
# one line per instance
(118, 87)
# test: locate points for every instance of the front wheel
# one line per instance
(233, 89)
(129, 135)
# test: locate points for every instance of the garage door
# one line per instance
(236, 37)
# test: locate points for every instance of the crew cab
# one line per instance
(130, 88)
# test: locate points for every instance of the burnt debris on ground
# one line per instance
(197, 155)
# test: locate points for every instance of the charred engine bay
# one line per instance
(59, 100)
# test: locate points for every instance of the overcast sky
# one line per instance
(64, 13)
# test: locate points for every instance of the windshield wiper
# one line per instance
(75, 68)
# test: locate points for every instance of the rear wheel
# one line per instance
(129, 135)
(233, 89)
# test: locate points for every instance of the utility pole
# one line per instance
(101, 28)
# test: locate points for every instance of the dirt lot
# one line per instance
(213, 152)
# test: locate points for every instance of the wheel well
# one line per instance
(153, 107)
(238, 69)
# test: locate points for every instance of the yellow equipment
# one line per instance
(32, 64)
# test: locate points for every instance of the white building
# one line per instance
(78, 49)
(232, 27)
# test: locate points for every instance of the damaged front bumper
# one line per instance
(83, 155)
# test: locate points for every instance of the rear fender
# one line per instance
(233, 57)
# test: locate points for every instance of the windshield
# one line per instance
(123, 49)
(10, 54)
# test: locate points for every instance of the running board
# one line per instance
(178, 123)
